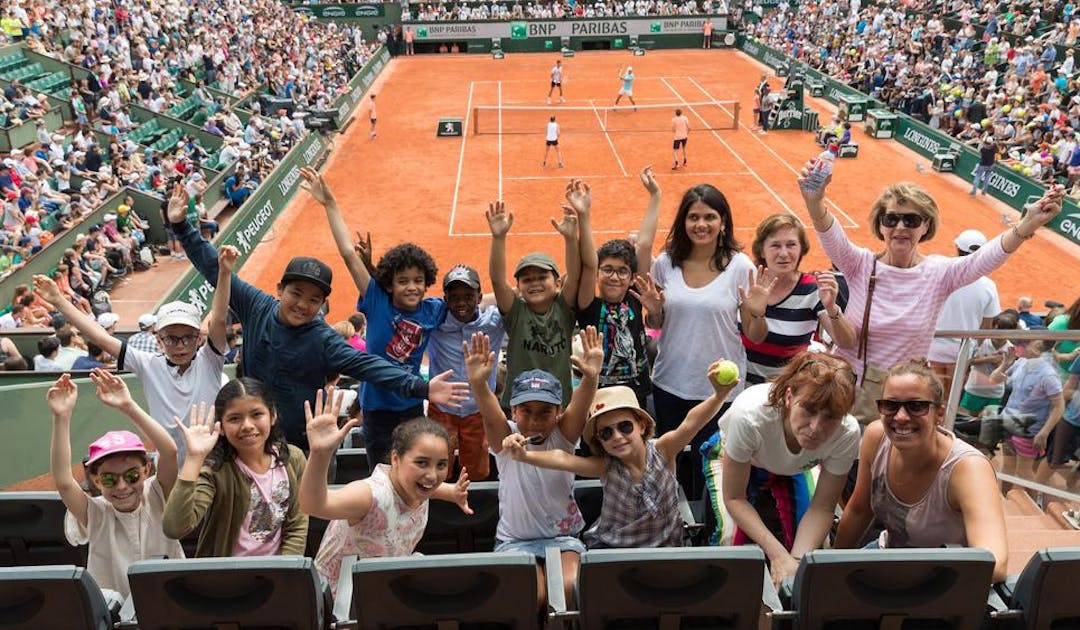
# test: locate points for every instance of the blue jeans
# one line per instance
(981, 178)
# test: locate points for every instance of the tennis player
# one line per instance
(552, 137)
(556, 81)
(627, 88)
(680, 126)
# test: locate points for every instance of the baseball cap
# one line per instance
(107, 319)
(536, 259)
(310, 270)
(970, 240)
(609, 399)
(108, 217)
(146, 320)
(536, 385)
(178, 313)
(463, 274)
(114, 442)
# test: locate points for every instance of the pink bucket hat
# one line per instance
(115, 442)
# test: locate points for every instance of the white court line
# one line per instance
(733, 152)
(461, 158)
(500, 142)
(851, 221)
(553, 233)
(607, 136)
(587, 177)
(569, 102)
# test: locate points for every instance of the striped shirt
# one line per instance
(906, 301)
(792, 322)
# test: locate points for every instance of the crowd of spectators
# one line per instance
(992, 77)
(436, 11)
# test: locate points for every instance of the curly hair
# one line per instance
(400, 258)
(621, 249)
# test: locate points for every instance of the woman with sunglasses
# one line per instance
(759, 469)
(925, 486)
(122, 525)
(910, 287)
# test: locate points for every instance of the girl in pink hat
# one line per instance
(122, 525)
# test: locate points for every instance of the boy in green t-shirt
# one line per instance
(538, 317)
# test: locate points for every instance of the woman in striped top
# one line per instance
(798, 300)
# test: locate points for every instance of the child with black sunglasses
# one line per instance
(637, 473)
(122, 525)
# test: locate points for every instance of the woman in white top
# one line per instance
(552, 137)
(771, 438)
(700, 287)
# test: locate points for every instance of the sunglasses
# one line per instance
(130, 476)
(910, 219)
(626, 427)
(914, 408)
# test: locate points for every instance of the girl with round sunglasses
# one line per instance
(909, 287)
(123, 524)
(925, 486)
(637, 472)
(760, 469)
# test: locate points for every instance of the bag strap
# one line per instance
(864, 337)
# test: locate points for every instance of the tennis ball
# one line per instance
(1020, 113)
(1027, 171)
(959, 113)
(726, 373)
(985, 123)
(957, 92)
(1005, 109)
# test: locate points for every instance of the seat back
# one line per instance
(691, 588)
(493, 591)
(1044, 591)
(909, 588)
(32, 531)
(352, 463)
(449, 530)
(263, 593)
(62, 596)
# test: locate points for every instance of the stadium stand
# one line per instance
(60, 596)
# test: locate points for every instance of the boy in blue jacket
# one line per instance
(287, 345)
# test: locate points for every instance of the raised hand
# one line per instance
(592, 360)
(62, 396)
(812, 196)
(443, 391)
(756, 297)
(514, 445)
(178, 204)
(47, 289)
(648, 293)
(461, 491)
(112, 391)
(568, 225)
(499, 218)
(579, 196)
(227, 257)
(201, 433)
(322, 429)
(649, 181)
(1046, 208)
(314, 183)
(828, 288)
(479, 359)
(363, 249)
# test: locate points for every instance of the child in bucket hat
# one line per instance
(637, 472)
(123, 525)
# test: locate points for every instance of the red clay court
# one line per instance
(408, 185)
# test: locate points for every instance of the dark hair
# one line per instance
(92, 349)
(399, 259)
(26, 301)
(358, 320)
(825, 383)
(240, 388)
(1006, 320)
(406, 434)
(678, 244)
(919, 367)
(65, 336)
(1073, 313)
(48, 345)
(16, 364)
(619, 248)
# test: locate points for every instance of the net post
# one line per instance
(735, 114)
(475, 119)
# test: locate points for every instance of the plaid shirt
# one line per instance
(643, 514)
(144, 341)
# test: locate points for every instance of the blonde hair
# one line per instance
(905, 194)
(345, 329)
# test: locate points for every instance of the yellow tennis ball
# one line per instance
(985, 123)
(726, 373)
(1027, 171)
(1020, 113)
(1006, 109)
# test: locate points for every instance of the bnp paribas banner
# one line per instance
(526, 29)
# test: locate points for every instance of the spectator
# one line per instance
(1028, 319)
(69, 353)
(146, 339)
(95, 358)
(45, 359)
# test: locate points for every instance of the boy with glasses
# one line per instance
(185, 372)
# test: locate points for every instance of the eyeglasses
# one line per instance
(182, 340)
(622, 273)
(626, 427)
(130, 476)
(914, 408)
(910, 219)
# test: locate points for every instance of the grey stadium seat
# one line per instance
(62, 596)
(32, 531)
(267, 593)
(1045, 591)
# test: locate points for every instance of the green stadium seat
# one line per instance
(16, 58)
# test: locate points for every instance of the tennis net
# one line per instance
(525, 119)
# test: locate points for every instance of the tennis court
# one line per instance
(406, 184)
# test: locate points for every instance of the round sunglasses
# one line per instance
(130, 476)
(626, 427)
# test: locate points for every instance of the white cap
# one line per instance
(970, 240)
(178, 313)
(108, 217)
(106, 320)
(146, 320)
